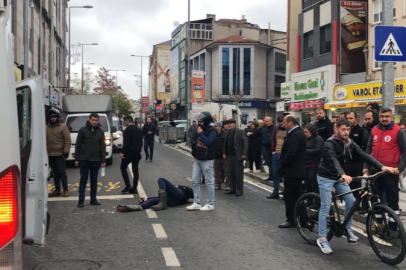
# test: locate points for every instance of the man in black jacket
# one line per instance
(90, 154)
(267, 138)
(324, 125)
(149, 131)
(339, 151)
(131, 153)
(235, 150)
(371, 119)
(292, 166)
(220, 163)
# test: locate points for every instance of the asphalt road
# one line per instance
(241, 233)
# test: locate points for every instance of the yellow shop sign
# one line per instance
(371, 90)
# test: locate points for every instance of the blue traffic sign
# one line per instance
(390, 43)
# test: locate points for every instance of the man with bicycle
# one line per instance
(339, 151)
(387, 144)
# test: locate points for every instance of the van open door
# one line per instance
(34, 159)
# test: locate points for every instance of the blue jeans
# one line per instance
(326, 186)
(204, 167)
(86, 167)
(275, 167)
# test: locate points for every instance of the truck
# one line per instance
(230, 111)
(75, 112)
(24, 164)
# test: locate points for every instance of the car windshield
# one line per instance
(181, 124)
(75, 123)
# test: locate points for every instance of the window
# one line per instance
(280, 63)
(226, 71)
(325, 39)
(278, 81)
(377, 65)
(24, 115)
(75, 123)
(203, 62)
(404, 7)
(236, 71)
(378, 9)
(247, 71)
(308, 45)
(201, 31)
(196, 63)
(310, 3)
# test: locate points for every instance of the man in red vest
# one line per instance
(387, 144)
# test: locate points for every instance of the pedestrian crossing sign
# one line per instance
(390, 44)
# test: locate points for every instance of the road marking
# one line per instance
(108, 197)
(141, 191)
(159, 231)
(170, 257)
(151, 213)
(100, 186)
(261, 186)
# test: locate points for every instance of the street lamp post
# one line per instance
(90, 44)
(116, 70)
(70, 41)
(140, 56)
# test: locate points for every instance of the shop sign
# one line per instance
(173, 106)
(280, 106)
(366, 91)
(308, 104)
(311, 85)
(198, 86)
(285, 90)
(145, 104)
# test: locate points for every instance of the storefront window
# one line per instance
(307, 117)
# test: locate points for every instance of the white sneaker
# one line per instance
(194, 206)
(207, 207)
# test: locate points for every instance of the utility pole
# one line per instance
(188, 73)
(388, 76)
(26, 4)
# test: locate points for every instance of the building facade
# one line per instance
(47, 41)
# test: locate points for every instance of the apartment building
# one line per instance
(47, 42)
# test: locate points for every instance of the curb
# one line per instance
(261, 180)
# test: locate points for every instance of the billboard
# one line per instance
(145, 104)
(354, 30)
(174, 74)
(198, 86)
(163, 71)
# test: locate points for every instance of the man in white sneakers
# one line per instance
(203, 151)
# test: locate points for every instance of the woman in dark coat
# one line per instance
(254, 146)
(313, 155)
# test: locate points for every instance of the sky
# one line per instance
(125, 27)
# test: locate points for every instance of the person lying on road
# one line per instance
(168, 195)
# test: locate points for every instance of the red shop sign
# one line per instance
(307, 104)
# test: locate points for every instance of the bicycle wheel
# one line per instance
(306, 217)
(386, 234)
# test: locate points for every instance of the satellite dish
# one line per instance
(175, 23)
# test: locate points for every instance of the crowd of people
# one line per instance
(307, 159)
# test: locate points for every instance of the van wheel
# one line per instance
(109, 161)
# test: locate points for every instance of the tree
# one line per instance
(217, 96)
(107, 85)
(88, 82)
(236, 96)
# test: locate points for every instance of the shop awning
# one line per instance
(307, 104)
(358, 103)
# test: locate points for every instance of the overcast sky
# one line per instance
(125, 27)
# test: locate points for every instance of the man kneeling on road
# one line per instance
(338, 151)
(168, 196)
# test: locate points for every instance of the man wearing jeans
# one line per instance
(338, 151)
(204, 152)
(90, 154)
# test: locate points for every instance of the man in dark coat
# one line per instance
(90, 155)
(220, 163)
(149, 130)
(292, 166)
(235, 151)
(324, 125)
(313, 155)
(131, 153)
(267, 137)
(371, 119)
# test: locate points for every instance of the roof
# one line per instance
(238, 39)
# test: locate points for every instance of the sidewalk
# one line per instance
(261, 178)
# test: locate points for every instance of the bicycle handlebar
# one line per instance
(368, 176)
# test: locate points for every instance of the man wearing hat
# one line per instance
(235, 151)
(220, 163)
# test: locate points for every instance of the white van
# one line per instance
(78, 120)
(118, 135)
(230, 111)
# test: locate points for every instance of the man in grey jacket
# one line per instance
(235, 151)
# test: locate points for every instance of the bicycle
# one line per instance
(386, 233)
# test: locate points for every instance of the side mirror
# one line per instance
(113, 129)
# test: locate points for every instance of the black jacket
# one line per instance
(132, 140)
(314, 146)
(206, 144)
(357, 135)
(90, 145)
(293, 156)
(335, 158)
(239, 141)
(325, 128)
(221, 140)
(254, 144)
(267, 136)
(147, 128)
(187, 193)
(367, 130)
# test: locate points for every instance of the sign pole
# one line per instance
(388, 76)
